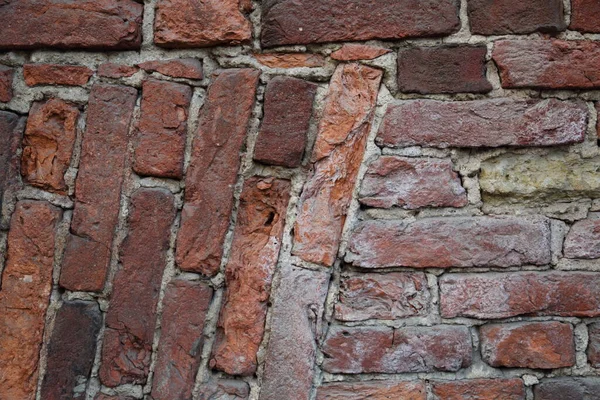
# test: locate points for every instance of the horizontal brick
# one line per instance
(479, 389)
(585, 16)
(190, 68)
(412, 183)
(593, 349)
(290, 60)
(111, 70)
(374, 390)
(6, 81)
(583, 240)
(505, 17)
(496, 295)
(567, 388)
(451, 242)
(11, 134)
(55, 74)
(102, 396)
(483, 123)
(226, 389)
(356, 52)
(355, 350)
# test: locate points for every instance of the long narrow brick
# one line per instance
(584, 388)
(11, 133)
(377, 390)
(56, 74)
(131, 319)
(190, 68)
(6, 82)
(98, 187)
(479, 389)
(249, 273)
(25, 295)
(214, 164)
(593, 350)
(337, 155)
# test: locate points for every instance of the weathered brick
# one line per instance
(537, 345)
(71, 350)
(412, 183)
(585, 16)
(495, 295)
(376, 390)
(190, 68)
(356, 52)
(224, 389)
(6, 81)
(336, 158)
(368, 349)
(583, 240)
(593, 350)
(56, 74)
(102, 396)
(66, 24)
(188, 23)
(159, 141)
(290, 60)
(382, 296)
(287, 110)
(314, 21)
(297, 318)
(548, 64)
(505, 17)
(479, 389)
(184, 310)
(131, 319)
(446, 69)
(48, 144)
(249, 273)
(25, 295)
(483, 123)
(11, 133)
(567, 388)
(451, 242)
(111, 70)
(98, 187)
(212, 173)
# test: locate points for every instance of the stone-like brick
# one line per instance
(585, 16)
(451, 242)
(447, 69)
(160, 137)
(356, 52)
(66, 24)
(290, 60)
(412, 183)
(314, 21)
(212, 173)
(483, 123)
(248, 274)
(548, 64)
(583, 240)
(190, 68)
(495, 295)
(295, 329)
(71, 350)
(337, 155)
(56, 74)
(131, 319)
(382, 296)
(189, 23)
(98, 187)
(6, 80)
(287, 110)
(26, 286)
(593, 350)
(505, 17)
(368, 349)
(567, 388)
(376, 390)
(111, 70)
(537, 345)
(184, 310)
(479, 389)
(11, 133)
(224, 389)
(48, 144)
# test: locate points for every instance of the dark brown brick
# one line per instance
(55, 74)
(189, 68)
(505, 17)
(376, 390)
(585, 16)
(11, 133)
(6, 81)
(567, 388)
(593, 350)
(479, 389)
(583, 240)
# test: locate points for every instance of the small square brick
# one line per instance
(585, 16)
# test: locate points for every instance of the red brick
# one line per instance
(25, 295)
(188, 23)
(226, 389)
(505, 17)
(495, 295)
(249, 273)
(180, 348)
(290, 60)
(375, 390)
(567, 388)
(110, 70)
(55, 74)
(98, 187)
(446, 69)
(189, 68)
(479, 389)
(66, 24)
(314, 21)
(412, 183)
(212, 173)
(297, 318)
(585, 16)
(451, 242)
(356, 52)
(336, 158)
(382, 296)
(287, 110)
(483, 123)
(368, 349)
(48, 144)
(131, 318)
(593, 350)
(11, 133)
(71, 350)
(536, 345)
(583, 240)
(160, 137)
(6, 80)
(548, 64)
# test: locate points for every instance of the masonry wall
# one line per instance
(300, 199)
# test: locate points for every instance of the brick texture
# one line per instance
(6, 82)
(585, 16)
(54, 74)
(290, 60)
(11, 133)
(190, 68)
(479, 389)
(567, 388)
(583, 240)
(593, 350)
(356, 52)
(372, 390)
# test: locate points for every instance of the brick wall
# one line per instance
(299, 199)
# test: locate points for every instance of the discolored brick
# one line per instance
(583, 240)
(356, 52)
(11, 133)
(567, 388)
(6, 81)
(111, 70)
(190, 68)
(224, 389)
(479, 389)
(290, 60)
(55, 74)
(375, 390)
(593, 350)
(585, 16)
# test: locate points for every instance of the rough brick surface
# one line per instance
(585, 16)
(593, 350)
(111, 70)
(290, 60)
(11, 133)
(224, 389)
(356, 52)
(381, 390)
(567, 388)
(54, 74)
(190, 68)
(583, 240)
(479, 389)
(6, 82)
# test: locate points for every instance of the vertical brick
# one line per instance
(479, 389)
(593, 350)
(212, 174)
(583, 239)
(55, 74)
(337, 155)
(6, 80)
(190, 68)
(98, 187)
(11, 132)
(131, 318)
(567, 388)
(585, 16)
(376, 390)
(25, 295)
